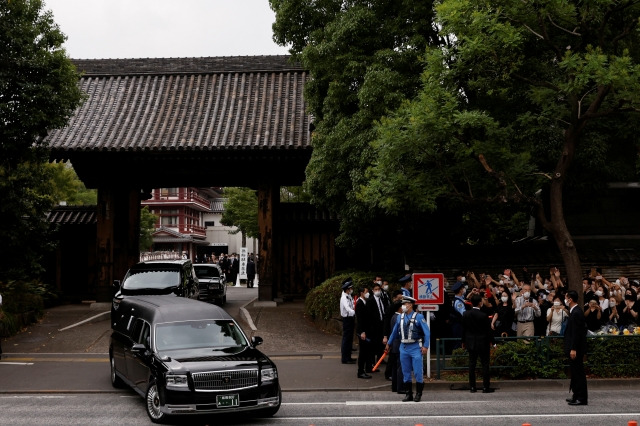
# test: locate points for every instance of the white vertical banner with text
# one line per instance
(243, 263)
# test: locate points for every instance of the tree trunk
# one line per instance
(556, 224)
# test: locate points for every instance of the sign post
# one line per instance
(429, 293)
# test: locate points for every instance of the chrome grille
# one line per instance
(225, 380)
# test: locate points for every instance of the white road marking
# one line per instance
(82, 322)
(15, 363)
(399, 402)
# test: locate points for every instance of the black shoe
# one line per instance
(578, 402)
(388, 378)
(351, 361)
(364, 376)
(473, 390)
(419, 388)
(488, 390)
(570, 399)
(408, 397)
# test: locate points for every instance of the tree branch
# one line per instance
(562, 28)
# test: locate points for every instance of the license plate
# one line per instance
(228, 400)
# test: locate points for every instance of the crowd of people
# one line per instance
(514, 304)
(534, 306)
(230, 265)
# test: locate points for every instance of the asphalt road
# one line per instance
(341, 408)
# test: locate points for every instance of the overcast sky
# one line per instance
(165, 28)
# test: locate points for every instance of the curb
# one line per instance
(246, 314)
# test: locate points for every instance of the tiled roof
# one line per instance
(198, 104)
(73, 215)
(173, 122)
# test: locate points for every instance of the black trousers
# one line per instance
(483, 354)
(365, 356)
(578, 382)
(348, 324)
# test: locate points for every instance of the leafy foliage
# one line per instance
(612, 356)
(323, 301)
(364, 59)
(38, 92)
(148, 222)
(241, 211)
(609, 356)
(528, 99)
(22, 303)
(69, 188)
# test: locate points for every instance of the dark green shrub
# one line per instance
(323, 302)
(22, 304)
(613, 356)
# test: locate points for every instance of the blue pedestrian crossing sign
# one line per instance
(428, 288)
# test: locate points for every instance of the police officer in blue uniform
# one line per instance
(413, 332)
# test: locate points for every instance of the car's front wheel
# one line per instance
(153, 405)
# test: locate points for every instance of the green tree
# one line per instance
(532, 95)
(363, 57)
(38, 92)
(148, 222)
(241, 211)
(69, 188)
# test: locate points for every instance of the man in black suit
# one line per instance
(477, 337)
(377, 312)
(575, 346)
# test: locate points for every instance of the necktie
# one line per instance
(381, 309)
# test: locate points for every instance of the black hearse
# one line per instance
(189, 357)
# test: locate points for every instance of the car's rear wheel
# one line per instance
(153, 405)
(116, 381)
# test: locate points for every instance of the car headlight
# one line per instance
(268, 374)
(177, 381)
(213, 286)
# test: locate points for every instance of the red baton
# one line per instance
(384, 354)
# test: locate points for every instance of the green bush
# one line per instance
(323, 302)
(22, 304)
(607, 356)
(613, 356)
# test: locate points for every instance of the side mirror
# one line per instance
(116, 283)
(256, 340)
(138, 348)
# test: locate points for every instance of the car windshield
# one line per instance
(206, 272)
(158, 279)
(198, 334)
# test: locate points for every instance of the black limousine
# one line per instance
(189, 357)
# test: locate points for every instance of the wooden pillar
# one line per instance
(269, 251)
(118, 236)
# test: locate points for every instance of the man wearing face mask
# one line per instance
(413, 332)
(363, 331)
(348, 314)
(575, 346)
(386, 299)
(526, 310)
(377, 312)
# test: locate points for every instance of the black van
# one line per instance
(189, 357)
(157, 277)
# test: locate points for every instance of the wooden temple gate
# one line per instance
(154, 123)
